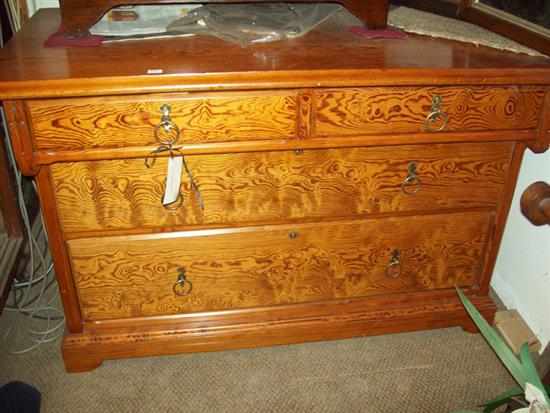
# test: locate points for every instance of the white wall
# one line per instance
(522, 273)
(34, 5)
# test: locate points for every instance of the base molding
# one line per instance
(201, 333)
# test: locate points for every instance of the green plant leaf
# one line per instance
(508, 358)
(502, 399)
(531, 372)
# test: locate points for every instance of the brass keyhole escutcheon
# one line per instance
(293, 235)
(182, 286)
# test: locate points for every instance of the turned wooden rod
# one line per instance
(535, 203)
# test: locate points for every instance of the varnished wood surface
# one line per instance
(294, 246)
(50, 157)
(497, 230)
(70, 124)
(20, 136)
(372, 110)
(324, 321)
(27, 69)
(80, 124)
(280, 186)
(56, 242)
(134, 276)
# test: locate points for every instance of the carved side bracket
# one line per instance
(21, 137)
(542, 143)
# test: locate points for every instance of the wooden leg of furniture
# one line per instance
(80, 361)
(373, 12)
(470, 327)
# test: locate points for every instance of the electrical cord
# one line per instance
(33, 298)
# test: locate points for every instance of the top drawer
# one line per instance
(76, 124)
(345, 112)
(125, 121)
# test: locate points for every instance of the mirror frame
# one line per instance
(505, 24)
(500, 22)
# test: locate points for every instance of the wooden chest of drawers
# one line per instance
(321, 199)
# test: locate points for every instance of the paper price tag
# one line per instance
(173, 180)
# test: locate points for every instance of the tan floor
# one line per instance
(434, 371)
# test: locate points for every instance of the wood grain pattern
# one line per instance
(236, 329)
(134, 276)
(542, 143)
(505, 203)
(56, 243)
(371, 110)
(243, 111)
(51, 157)
(130, 121)
(20, 137)
(279, 186)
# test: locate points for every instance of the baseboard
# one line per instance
(201, 333)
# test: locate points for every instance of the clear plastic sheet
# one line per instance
(254, 23)
(147, 20)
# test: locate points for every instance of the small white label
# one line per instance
(173, 180)
(155, 71)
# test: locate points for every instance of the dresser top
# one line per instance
(321, 58)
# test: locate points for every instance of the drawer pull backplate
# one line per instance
(166, 132)
(393, 269)
(436, 115)
(182, 286)
(411, 184)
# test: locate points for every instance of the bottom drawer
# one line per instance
(146, 275)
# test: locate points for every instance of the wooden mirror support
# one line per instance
(79, 15)
(535, 203)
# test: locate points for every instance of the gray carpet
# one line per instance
(434, 371)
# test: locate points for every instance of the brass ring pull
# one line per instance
(393, 269)
(411, 184)
(436, 114)
(182, 286)
(166, 132)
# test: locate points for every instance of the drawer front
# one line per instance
(76, 124)
(282, 186)
(136, 276)
(342, 112)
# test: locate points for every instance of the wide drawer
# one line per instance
(77, 124)
(139, 276)
(281, 186)
(343, 112)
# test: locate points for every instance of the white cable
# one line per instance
(31, 297)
